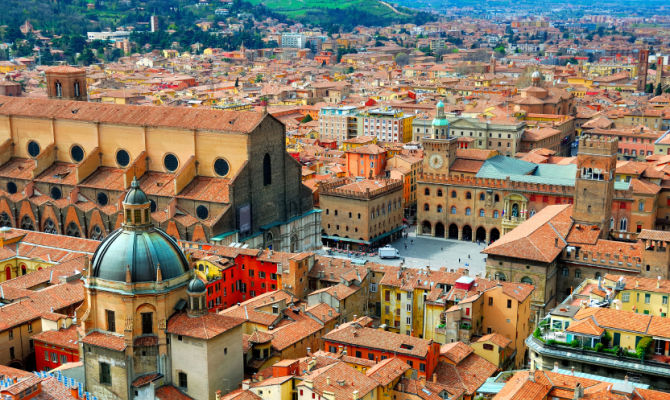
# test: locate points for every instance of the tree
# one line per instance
(259, 78)
(402, 59)
(659, 90)
(649, 88)
(86, 57)
(308, 118)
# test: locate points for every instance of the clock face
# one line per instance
(435, 161)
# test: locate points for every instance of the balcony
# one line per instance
(622, 359)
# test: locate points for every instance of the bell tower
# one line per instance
(67, 83)
(594, 183)
(439, 151)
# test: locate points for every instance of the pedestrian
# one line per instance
(468, 256)
(459, 260)
(441, 248)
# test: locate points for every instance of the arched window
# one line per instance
(453, 194)
(27, 223)
(468, 195)
(439, 208)
(426, 191)
(482, 212)
(439, 192)
(267, 170)
(453, 209)
(597, 275)
(467, 211)
(49, 226)
(623, 224)
(495, 214)
(5, 220)
(73, 230)
(426, 207)
(496, 198)
(499, 276)
(482, 196)
(59, 89)
(526, 280)
(96, 233)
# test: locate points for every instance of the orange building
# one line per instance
(366, 161)
(377, 345)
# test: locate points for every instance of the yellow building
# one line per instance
(453, 308)
(640, 295)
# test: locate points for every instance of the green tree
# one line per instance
(86, 57)
(649, 88)
(659, 90)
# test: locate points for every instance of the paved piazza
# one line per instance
(424, 250)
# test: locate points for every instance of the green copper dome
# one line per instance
(138, 247)
(196, 286)
(142, 251)
(135, 195)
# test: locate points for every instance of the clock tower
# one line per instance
(440, 150)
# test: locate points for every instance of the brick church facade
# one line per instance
(211, 175)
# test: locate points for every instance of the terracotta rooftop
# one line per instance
(205, 326)
(183, 117)
(354, 334)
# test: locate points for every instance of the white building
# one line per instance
(292, 40)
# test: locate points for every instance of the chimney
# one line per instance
(328, 381)
(579, 392)
(29, 189)
(74, 195)
(556, 366)
(555, 242)
(658, 282)
(572, 371)
(355, 395)
(434, 378)
(74, 392)
(309, 351)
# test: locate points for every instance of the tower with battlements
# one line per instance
(594, 183)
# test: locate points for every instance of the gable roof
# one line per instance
(539, 238)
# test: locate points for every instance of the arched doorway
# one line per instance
(439, 230)
(480, 234)
(453, 231)
(425, 228)
(467, 233)
(495, 235)
(8, 273)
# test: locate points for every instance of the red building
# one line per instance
(376, 344)
(235, 275)
(55, 348)
(325, 58)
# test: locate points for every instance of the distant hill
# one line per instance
(345, 13)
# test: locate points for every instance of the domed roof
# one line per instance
(141, 250)
(196, 285)
(135, 195)
(535, 75)
(440, 104)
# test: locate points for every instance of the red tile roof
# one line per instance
(66, 338)
(186, 118)
(540, 238)
(205, 326)
(106, 340)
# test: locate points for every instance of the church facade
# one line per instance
(210, 175)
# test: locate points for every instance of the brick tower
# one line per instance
(642, 65)
(594, 184)
(65, 82)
